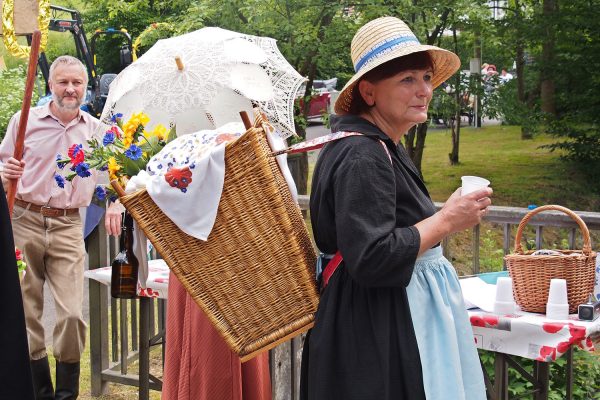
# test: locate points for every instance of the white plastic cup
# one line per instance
(557, 306)
(472, 183)
(505, 302)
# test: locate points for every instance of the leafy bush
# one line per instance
(586, 376)
(581, 144)
(12, 87)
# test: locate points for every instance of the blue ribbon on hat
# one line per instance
(382, 48)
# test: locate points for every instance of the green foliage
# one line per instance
(12, 88)
(586, 375)
(580, 144)
(491, 254)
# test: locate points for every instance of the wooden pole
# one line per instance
(19, 143)
(179, 63)
(245, 120)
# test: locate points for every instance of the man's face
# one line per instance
(68, 86)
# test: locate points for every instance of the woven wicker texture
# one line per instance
(531, 275)
(254, 275)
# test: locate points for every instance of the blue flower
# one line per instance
(104, 167)
(116, 117)
(113, 198)
(100, 192)
(109, 138)
(133, 152)
(60, 181)
(82, 169)
(59, 164)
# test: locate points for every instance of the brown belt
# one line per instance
(45, 210)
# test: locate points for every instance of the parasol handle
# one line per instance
(179, 63)
(19, 143)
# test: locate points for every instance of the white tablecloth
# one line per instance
(156, 285)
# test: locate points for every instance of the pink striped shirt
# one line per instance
(46, 137)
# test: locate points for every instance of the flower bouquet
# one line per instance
(124, 150)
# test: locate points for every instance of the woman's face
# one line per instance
(402, 100)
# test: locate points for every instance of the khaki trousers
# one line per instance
(54, 251)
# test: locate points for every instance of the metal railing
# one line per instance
(133, 326)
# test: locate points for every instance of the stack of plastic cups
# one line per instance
(505, 302)
(557, 306)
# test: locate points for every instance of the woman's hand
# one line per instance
(463, 212)
(459, 213)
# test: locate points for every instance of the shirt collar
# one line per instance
(47, 112)
(349, 122)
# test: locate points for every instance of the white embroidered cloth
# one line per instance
(186, 178)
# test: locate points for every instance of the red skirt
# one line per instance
(198, 363)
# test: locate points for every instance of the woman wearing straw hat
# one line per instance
(391, 323)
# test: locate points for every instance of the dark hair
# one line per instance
(418, 60)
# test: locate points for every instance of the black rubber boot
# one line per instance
(67, 381)
(42, 381)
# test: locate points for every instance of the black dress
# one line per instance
(363, 345)
(15, 373)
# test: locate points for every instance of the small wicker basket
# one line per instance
(254, 276)
(531, 274)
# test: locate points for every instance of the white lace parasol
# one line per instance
(218, 74)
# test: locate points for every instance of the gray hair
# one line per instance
(67, 60)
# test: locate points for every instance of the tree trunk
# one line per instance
(455, 125)
(409, 141)
(420, 146)
(546, 72)
(477, 54)
(520, 59)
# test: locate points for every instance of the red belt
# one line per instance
(330, 269)
(45, 210)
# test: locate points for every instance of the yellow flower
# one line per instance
(113, 167)
(130, 127)
(159, 131)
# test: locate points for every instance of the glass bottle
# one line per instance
(124, 279)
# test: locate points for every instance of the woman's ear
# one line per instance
(367, 91)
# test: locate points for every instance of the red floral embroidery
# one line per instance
(179, 178)
(225, 137)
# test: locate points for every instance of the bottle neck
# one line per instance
(126, 239)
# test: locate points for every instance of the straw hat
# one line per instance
(385, 39)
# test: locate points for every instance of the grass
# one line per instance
(521, 173)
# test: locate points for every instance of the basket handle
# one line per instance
(587, 247)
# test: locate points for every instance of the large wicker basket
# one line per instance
(531, 274)
(253, 277)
